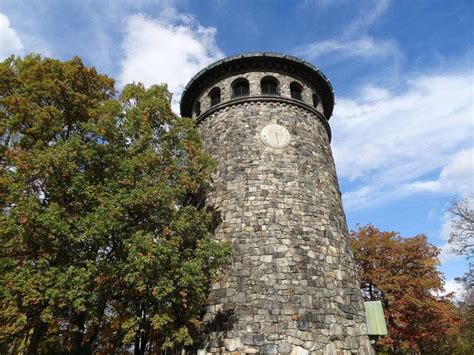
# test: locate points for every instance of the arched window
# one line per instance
(197, 109)
(316, 100)
(269, 86)
(215, 96)
(240, 88)
(296, 91)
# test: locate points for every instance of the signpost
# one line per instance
(375, 318)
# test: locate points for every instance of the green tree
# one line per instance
(105, 235)
(402, 273)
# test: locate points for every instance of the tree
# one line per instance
(402, 273)
(462, 236)
(461, 239)
(104, 231)
(466, 306)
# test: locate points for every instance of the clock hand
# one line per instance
(276, 136)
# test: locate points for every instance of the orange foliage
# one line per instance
(402, 273)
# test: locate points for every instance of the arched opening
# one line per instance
(296, 91)
(197, 109)
(316, 100)
(215, 96)
(269, 86)
(240, 87)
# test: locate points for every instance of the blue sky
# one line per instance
(403, 125)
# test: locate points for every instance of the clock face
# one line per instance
(275, 136)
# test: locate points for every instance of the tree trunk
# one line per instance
(137, 344)
(93, 331)
(144, 339)
(38, 332)
(141, 337)
(77, 333)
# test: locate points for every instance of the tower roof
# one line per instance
(260, 61)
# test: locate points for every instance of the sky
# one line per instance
(402, 71)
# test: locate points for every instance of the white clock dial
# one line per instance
(275, 136)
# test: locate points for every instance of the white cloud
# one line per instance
(167, 50)
(446, 227)
(447, 255)
(10, 42)
(341, 49)
(455, 287)
(373, 94)
(367, 17)
(419, 186)
(355, 41)
(458, 174)
(388, 143)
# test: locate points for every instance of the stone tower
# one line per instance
(291, 286)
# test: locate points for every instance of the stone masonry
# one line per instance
(291, 286)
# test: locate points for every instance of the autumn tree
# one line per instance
(103, 226)
(402, 273)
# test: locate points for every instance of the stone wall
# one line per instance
(291, 286)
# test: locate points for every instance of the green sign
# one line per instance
(375, 318)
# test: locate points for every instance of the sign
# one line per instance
(375, 318)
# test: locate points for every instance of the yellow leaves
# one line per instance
(188, 183)
(17, 319)
(196, 322)
(158, 321)
(130, 327)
